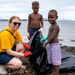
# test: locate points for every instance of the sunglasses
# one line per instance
(15, 23)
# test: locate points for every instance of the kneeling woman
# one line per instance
(10, 50)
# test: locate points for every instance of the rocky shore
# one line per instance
(29, 71)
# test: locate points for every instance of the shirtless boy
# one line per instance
(35, 20)
(52, 44)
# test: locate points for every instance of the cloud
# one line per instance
(67, 12)
(66, 9)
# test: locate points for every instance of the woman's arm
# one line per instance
(14, 53)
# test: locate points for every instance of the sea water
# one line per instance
(67, 30)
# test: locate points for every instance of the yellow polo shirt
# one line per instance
(7, 40)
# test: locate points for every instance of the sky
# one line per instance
(22, 8)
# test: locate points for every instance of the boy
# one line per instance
(35, 20)
(52, 44)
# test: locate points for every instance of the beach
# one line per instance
(30, 71)
(66, 36)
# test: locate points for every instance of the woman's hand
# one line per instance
(28, 53)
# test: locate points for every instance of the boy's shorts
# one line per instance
(32, 31)
(54, 53)
(5, 58)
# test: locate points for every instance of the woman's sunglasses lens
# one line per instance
(15, 23)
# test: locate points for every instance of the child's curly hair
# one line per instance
(35, 3)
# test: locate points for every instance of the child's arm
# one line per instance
(53, 36)
(28, 27)
(42, 25)
(29, 20)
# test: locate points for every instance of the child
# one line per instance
(52, 44)
(35, 20)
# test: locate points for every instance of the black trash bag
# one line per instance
(39, 58)
(68, 62)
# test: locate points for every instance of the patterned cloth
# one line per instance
(54, 53)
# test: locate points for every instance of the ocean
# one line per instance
(66, 35)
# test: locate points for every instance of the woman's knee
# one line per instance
(15, 63)
(18, 65)
(20, 47)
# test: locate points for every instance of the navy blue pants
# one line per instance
(32, 31)
(5, 58)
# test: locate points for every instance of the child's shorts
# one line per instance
(5, 58)
(32, 31)
(54, 53)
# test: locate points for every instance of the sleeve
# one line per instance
(5, 42)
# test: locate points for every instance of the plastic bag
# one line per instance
(39, 58)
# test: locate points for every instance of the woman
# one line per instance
(12, 45)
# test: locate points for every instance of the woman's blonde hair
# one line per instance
(13, 17)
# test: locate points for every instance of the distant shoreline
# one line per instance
(43, 20)
(7, 20)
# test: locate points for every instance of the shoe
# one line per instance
(2, 70)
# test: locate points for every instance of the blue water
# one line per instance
(67, 31)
